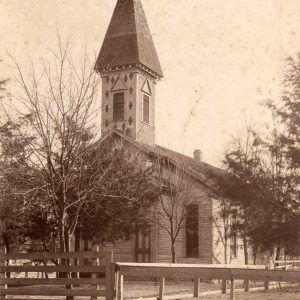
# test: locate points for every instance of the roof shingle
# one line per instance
(128, 40)
(202, 171)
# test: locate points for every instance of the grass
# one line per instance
(149, 289)
(287, 293)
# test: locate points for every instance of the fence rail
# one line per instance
(287, 264)
(103, 280)
(68, 266)
(204, 272)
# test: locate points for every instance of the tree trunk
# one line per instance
(224, 282)
(64, 247)
(68, 261)
(7, 249)
(245, 242)
(77, 249)
(255, 251)
(278, 252)
(173, 250)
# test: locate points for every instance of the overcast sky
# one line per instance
(220, 58)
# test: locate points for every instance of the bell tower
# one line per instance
(130, 69)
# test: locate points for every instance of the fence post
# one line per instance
(120, 290)
(285, 262)
(3, 262)
(247, 285)
(95, 262)
(161, 288)
(266, 283)
(109, 276)
(232, 290)
(224, 286)
(196, 287)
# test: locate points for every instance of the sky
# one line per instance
(221, 58)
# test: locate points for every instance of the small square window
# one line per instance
(146, 109)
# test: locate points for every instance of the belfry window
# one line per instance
(118, 107)
(146, 109)
(192, 231)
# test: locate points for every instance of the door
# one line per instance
(143, 245)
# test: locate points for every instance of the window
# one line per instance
(118, 107)
(192, 231)
(146, 109)
(233, 236)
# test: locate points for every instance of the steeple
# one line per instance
(128, 41)
(130, 68)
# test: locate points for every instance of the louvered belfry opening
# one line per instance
(118, 107)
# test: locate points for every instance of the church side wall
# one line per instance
(218, 235)
(205, 234)
(123, 250)
(219, 241)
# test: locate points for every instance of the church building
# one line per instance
(130, 70)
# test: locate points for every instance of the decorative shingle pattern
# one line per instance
(128, 40)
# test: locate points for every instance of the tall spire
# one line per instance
(128, 41)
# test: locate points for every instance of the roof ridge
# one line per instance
(136, 29)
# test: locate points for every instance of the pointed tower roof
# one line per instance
(128, 40)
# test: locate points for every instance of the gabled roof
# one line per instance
(201, 171)
(128, 40)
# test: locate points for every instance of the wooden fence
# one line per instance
(101, 281)
(197, 272)
(287, 264)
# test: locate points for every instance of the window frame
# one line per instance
(143, 107)
(190, 238)
(115, 118)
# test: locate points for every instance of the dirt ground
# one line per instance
(291, 293)
(287, 293)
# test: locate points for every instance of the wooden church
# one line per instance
(130, 69)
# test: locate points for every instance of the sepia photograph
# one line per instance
(149, 149)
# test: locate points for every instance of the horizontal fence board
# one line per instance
(52, 281)
(215, 266)
(54, 255)
(182, 272)
(208, 272)
(41, 291)
(286, 261)
(53, 269)
(35, 298)
(267, 275)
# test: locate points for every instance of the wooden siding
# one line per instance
(205, 234)
(124, 251)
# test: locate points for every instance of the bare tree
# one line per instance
(62, 170)
(56, 105)
(221, 220)
(177, 193)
